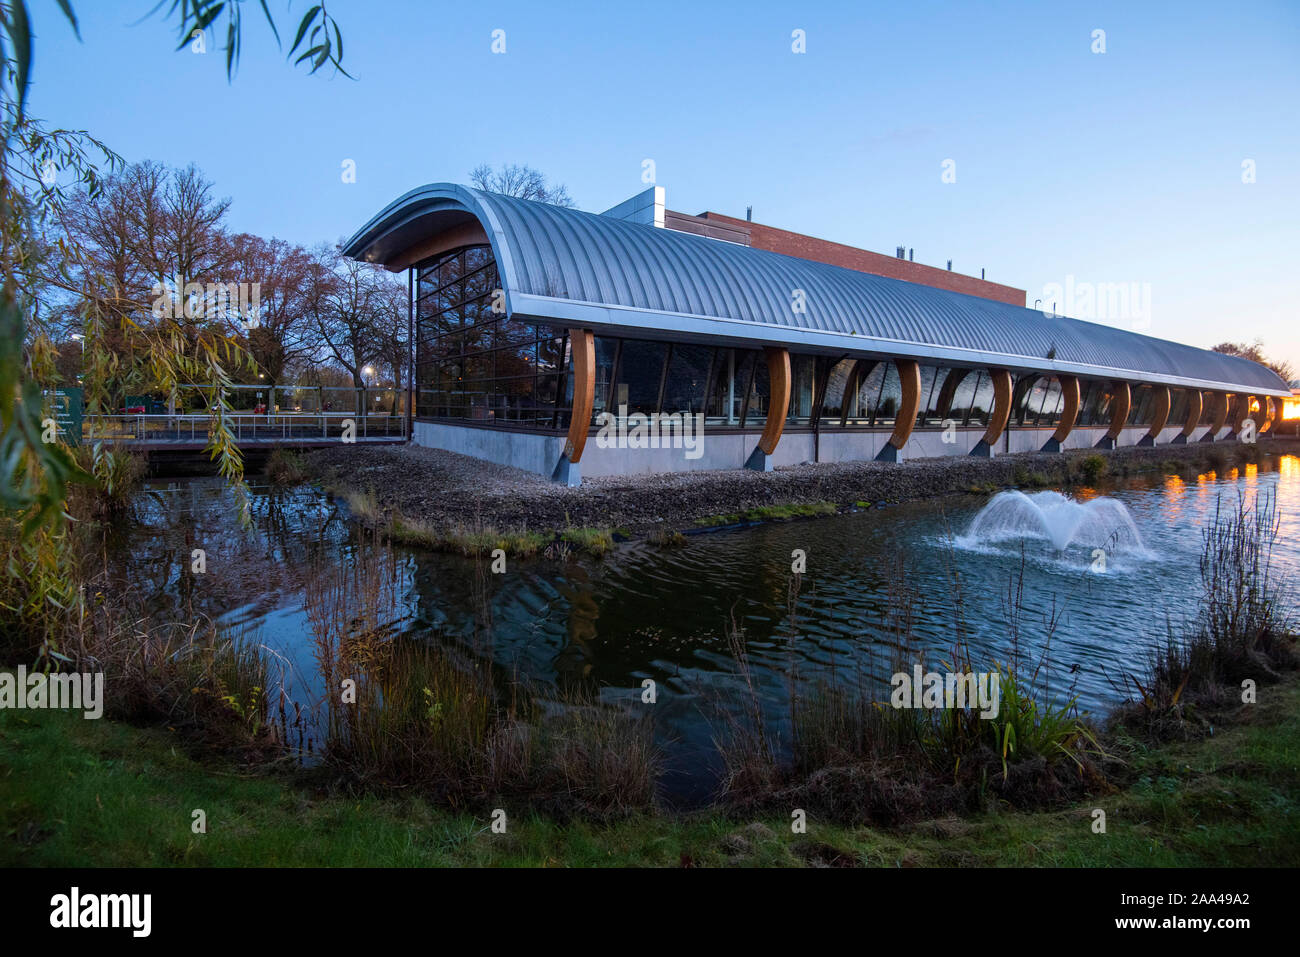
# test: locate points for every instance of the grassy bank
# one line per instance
(102, 793)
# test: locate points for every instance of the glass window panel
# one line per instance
(1178, 407)
(837, 381)
(759, 392)
(803, 386)
(862, 404)
(688, 372)
(449, 296)
(980, 410)
(477, 339)
(1140, 414)
(450, 269)
(954, 401)
(729, 381)
(891, 395)
(479, 285)
(479, 366)
(1099, 404)
(1210, 403)
(606, 350)
(1052, 403)
(512, 332)
(639, 374)
(550, 355)
(548, 387)
(932, 379)
(516, 362)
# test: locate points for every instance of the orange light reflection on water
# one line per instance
(1175, 494)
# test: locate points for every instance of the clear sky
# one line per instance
(1117, 167)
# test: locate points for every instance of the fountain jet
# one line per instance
(1058, 519)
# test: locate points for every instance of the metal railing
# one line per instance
(247, 427)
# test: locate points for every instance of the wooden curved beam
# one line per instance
(1240, 410)
(1022, 387)
(1160, 410)
(1195, 406)
(909, 375)
(778, 404)
(1001, 406)
(1069, 414)
(583, 343)
(861, 369)
(1121, 404)
(1264, 417)
(1222, 402)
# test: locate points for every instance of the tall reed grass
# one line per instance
(414, 711)
(1243, 628)
(850, 753)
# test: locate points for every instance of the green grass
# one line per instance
(405, 531)
(596, 541)
(1026, 479)
(99, 793)
(770, 513)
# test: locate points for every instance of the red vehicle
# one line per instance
(259, 409)
(133, 410)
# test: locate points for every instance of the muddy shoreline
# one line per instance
(445, 490)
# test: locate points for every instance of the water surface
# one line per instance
(664, 613)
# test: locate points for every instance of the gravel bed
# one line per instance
(445, 489)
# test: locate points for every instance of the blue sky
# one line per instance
(1122, 167)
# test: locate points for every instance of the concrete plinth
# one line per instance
(569, 473)
(759, 461)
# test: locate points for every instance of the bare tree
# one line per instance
(1254, 351)
(350, 304)
(523, 182)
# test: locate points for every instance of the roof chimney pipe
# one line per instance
(749, 214)
(911, 255)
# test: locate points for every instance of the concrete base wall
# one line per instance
(523, 450)
(730, 450)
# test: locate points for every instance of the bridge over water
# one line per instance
(185, 433)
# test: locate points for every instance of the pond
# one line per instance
(1091, 609)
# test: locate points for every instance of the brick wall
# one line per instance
(837, 254)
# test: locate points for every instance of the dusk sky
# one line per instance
(1117, 167)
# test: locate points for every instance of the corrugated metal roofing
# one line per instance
(564, 264)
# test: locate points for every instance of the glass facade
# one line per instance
(475, 364)
(472, 362)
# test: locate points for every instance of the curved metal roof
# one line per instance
(568, 266)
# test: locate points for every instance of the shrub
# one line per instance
(284, 467)
(1093, 467)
